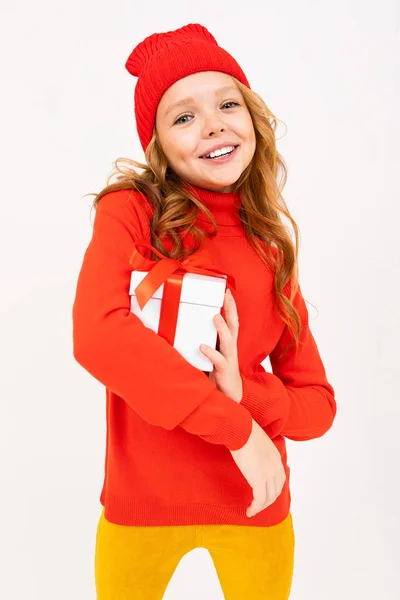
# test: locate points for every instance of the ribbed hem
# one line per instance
(130, 511)
(234, 430)
(220, 420)
(267, 401)
(224, 206)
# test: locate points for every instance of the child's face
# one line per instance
(213, 117)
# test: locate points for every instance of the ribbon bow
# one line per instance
(170, 272)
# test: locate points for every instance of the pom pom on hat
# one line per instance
(163, 58)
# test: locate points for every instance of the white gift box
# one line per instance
(202, 297)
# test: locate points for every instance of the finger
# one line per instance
(259, 500)
(254, 509)
(215, 357)
(226, 341)
(272, 493)
(280, 482)
(231, 314)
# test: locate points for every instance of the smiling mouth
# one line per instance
(221, 156)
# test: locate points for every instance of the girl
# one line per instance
(196, 461)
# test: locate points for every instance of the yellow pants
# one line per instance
(137, 562)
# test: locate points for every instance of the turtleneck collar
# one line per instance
(223, 206)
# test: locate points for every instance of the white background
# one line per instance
(330, 71)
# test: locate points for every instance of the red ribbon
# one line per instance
(170, 272)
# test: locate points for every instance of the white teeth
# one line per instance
(220, 152)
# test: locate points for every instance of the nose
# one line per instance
(212, 124)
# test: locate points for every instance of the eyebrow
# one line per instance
(189, 99)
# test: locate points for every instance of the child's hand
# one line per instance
(226, 373)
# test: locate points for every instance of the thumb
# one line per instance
(259, 499)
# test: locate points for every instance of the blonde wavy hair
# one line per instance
(262, 206)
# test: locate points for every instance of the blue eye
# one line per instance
(232, 102)
(179, 121)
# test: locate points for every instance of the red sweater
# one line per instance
(168, 427)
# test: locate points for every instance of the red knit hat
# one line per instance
(163, 58)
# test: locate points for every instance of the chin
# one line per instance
(227, 180)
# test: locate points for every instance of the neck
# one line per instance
(224, 206)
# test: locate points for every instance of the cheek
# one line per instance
(250, 136)
(172, 149)
(249, 129)
(183, 146)
(253, 140)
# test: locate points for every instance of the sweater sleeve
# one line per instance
(295, 400)
(130, 359)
